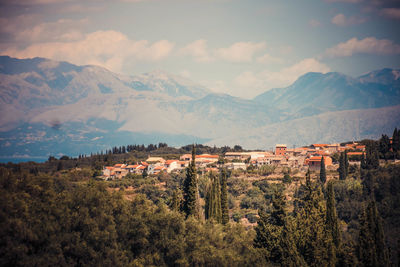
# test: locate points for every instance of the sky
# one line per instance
(238, 47)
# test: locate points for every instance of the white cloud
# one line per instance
(342, 20)
(314, 23)
(198, 50)
(393, 13)
(369, 45)
(105, 48)
(60, 30)
(240, 52)
(257, 83)
(267, 58)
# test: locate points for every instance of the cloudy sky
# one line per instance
(239, 47)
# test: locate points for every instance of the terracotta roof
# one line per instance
(317, 158)
(159, 168)
(320, 145)
(354, 153)
(280, 145)
(109, 168)
(208, 156)
(131, 166)
(118, 165)
(144, 163)
(141, 167)
(168, 162)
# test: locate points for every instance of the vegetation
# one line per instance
(59, 214)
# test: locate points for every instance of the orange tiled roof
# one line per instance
(320, 145)
(168, 162)
(316, 158)
(159, 168)
(109, 168)
(354, 153)
(118, 165)
(208, 156)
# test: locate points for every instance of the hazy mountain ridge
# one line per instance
(45, 94)
(315, 93)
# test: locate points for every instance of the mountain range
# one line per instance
(54, 108)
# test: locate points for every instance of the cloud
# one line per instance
(265, 80)
(392, 13)
(267, 58)
(341, 20)
(109, 49)
(369, 45)
(198, 50)
(240, 52)
(314, 23)
(60, 30)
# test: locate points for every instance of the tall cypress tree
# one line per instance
(213, 200)
(346, 165)
(322, 171)
(224, 197)
(342, 166)
(396, 140)
(190, 188)
(331, 216)
(313, 241)
(363, 164)
(372, 250)
(176, 200)
(270, 230)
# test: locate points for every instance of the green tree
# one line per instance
(176, 200)
(190, 191)
(322, 172)
(213, 199)
(343, 166)
(331, 216)
(269, 229)
(224, 197)
(313, 242)
(346, 165)
(396, 140)
(372, 250)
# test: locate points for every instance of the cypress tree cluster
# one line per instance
(224, 197)
(372, 249)
(213, 200)
(322, 172)
(190, 204)
(343, 166)
(331, 216)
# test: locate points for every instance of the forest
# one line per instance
(58, 214)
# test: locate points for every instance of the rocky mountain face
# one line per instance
(54, 108)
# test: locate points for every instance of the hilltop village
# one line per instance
(302, 158)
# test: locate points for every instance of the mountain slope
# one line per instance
(323, 128)
(315, 93)
(51, 107)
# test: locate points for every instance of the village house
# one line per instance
(172, 165)
(155, 160)
(314, 163)
(186, 157)
(207, 158)
(236, 166)
(280, 149)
